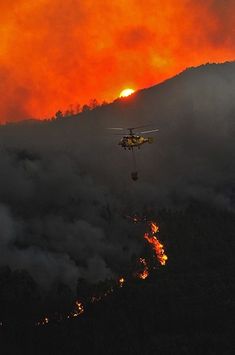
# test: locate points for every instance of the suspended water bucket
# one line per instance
(134, 175)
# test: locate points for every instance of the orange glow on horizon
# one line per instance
(58, 54)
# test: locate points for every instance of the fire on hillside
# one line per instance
(158, 253)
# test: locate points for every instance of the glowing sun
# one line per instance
(126, 92)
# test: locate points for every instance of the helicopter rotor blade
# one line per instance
(120, 134)
(116, 128)
(150, 131)
(146, 125)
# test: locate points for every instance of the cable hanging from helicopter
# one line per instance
(133, 140)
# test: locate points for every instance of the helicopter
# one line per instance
(133, 140)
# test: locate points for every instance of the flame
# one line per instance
(156, 245)
(145, 273)
(154, 228)
(79, 309)
(121, 281)
(44, 321)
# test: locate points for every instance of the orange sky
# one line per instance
(54, 53)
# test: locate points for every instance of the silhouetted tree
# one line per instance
(59, 115)
(78, 108)
(86, 108)
(93, 103)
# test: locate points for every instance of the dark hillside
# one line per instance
(183, 308)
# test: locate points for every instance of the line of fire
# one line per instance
(142, 272)
(144, 268)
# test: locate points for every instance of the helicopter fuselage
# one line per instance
(132, 141)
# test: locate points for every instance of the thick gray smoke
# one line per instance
(65, 185)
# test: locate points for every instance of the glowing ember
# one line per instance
(121, 281)
(43, 322)
(95, 299)
(156, 245)
(79, 309)
(145, 273)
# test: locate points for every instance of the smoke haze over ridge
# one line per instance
(65, 185)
